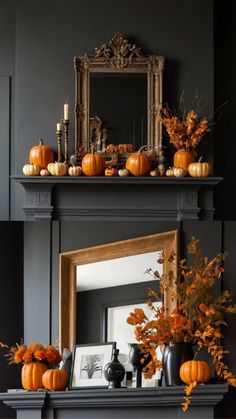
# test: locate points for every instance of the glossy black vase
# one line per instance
(174, 356)
(138, 360)
(114, 371)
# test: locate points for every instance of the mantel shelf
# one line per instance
(101, 197)
(118, 403)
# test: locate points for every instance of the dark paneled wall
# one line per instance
(225, 91)
(11, 301)
(49, 35)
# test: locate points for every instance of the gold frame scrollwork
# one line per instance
(118, 56)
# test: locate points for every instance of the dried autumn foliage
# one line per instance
(33, 352)
(198, 317)
(184, 132)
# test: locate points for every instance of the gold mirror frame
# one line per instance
(118, 56)
(168, 242)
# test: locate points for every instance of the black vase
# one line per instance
(114, 371)
(139, 361)
(174, 356)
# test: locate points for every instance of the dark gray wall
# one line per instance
(48, 35)
(11, 302)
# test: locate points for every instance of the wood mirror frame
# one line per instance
(118, 56)
(167, 242)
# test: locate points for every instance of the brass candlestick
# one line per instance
(59, 135)
(65, 123)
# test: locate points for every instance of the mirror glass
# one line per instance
(96, 283)
(120, 101)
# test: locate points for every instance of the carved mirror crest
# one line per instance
(119, 59)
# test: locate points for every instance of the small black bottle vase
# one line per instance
(173, 357)
(114, 371)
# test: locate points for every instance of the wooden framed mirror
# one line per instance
(166, 242)
(121, 63)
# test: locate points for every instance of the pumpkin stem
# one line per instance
(200, 159)
(144, 147)
(40, 142)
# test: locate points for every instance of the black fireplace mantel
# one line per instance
(144, 403)
(126, 198)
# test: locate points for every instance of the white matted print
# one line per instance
(88, 365)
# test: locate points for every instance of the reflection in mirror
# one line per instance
(83, 314)
(120, 101)
(112, 288)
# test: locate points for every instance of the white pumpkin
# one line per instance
(75, 171)
(31, 169)
(179, 172)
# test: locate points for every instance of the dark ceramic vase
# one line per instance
(136, 358)
(114, 371)
(173, 357)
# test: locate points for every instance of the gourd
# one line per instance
(111, 171)
(138, 164)
(170, 171)
(31, 170)
(57, 169)
(55, 379)
(41, 155)
(179, 171)
(183, 158)
(93, 164)
(44, 172)
(31, 375)
(155, 172)
(198, 371)
(123, 172)
(75, 171)
(200, 169)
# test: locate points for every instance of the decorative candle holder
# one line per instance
(65, 123)
(139, 361)
(59, 151)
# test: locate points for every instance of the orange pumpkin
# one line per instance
(93, 164)
(55, 379)
(111, 171)
(183, 158)
(41, 155)
(31, 375)
(138, 164)
(198, 371)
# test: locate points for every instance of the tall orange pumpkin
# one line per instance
(31, 375)
(55, 379)
(138, 164)
(93, 164)
(41, 155)
(183, 158)
(198, 371)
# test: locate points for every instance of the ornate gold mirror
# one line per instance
(85, 262)
(123, 89)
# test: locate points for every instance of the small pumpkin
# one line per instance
(44, 172)
(200, 169)
(162, 169)
(198, 371)
(123, 172)
(183, 158)
(93, 164)
(75, 171)
(154, 172)
(111, 171)
(170, 171)
(57, 169)
(179, 171)
(31, 170)
(41, 155)
(55, 379)
(31, 375)
(138, 164)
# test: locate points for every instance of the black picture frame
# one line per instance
(88, 362)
